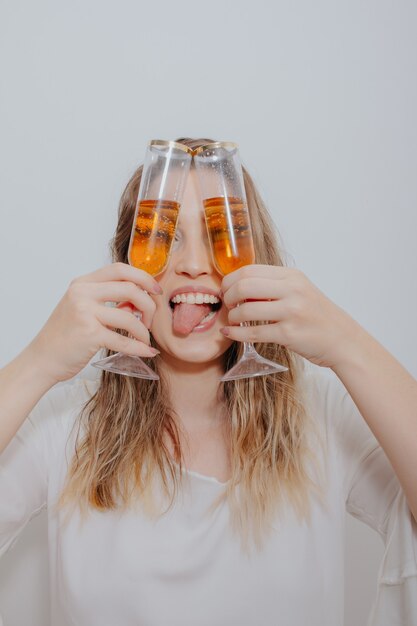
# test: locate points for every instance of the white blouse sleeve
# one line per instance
(373, 494)
(26, 461)
(23, 477)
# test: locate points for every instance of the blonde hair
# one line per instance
(125, 422)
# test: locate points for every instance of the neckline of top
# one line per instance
(204, 477)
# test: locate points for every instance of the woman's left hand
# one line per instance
(300, 317)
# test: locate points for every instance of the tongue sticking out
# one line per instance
(186, 317)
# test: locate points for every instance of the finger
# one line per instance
(127, 306)
(263, 333)
(117, 318)
(125, 292)
(276, 272)
(118, 343)
(273, 311)
(123, 271)
(254, 289)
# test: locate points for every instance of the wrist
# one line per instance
(354, 347)
(34, 358)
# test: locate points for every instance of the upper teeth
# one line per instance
(195, 298)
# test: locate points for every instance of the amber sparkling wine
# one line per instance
(229, 231)
(154, 230)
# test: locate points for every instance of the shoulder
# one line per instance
(322, 390)
(329, 401)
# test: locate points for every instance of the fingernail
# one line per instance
(157, 288)
(225, 331)
(154, 351)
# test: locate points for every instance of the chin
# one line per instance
(193, 353)
(201, 356)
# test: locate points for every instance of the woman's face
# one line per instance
(176, 332)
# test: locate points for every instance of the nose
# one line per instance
(195, 259)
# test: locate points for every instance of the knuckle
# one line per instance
(242, 287)
(119, 266)
(132, 289)
(81, 310)
(298, 281)
(74, 281)
(239, 291)
(152, 305)
(79, 304)
(140, 331)
(75, 291)
(296, 307)
(287, 330)
(125, 342)
(117, 270)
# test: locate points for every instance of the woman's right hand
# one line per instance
(81, 323)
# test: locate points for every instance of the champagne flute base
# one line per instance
(126, 365)
(252, 364)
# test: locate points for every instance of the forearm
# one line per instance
(22, 385)
(386, 396)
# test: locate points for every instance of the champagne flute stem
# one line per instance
(248, 346)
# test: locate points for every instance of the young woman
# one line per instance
(188, 501)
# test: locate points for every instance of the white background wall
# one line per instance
(321, 97)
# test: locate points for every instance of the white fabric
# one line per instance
(186, 568)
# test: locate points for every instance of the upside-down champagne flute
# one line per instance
(165, 171)
(230, 234)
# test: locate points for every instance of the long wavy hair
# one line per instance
(120, 455)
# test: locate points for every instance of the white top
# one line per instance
(186, 569)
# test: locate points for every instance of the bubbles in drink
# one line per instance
(153, 233)
(227, 220)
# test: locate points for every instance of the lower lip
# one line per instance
(201, 328)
